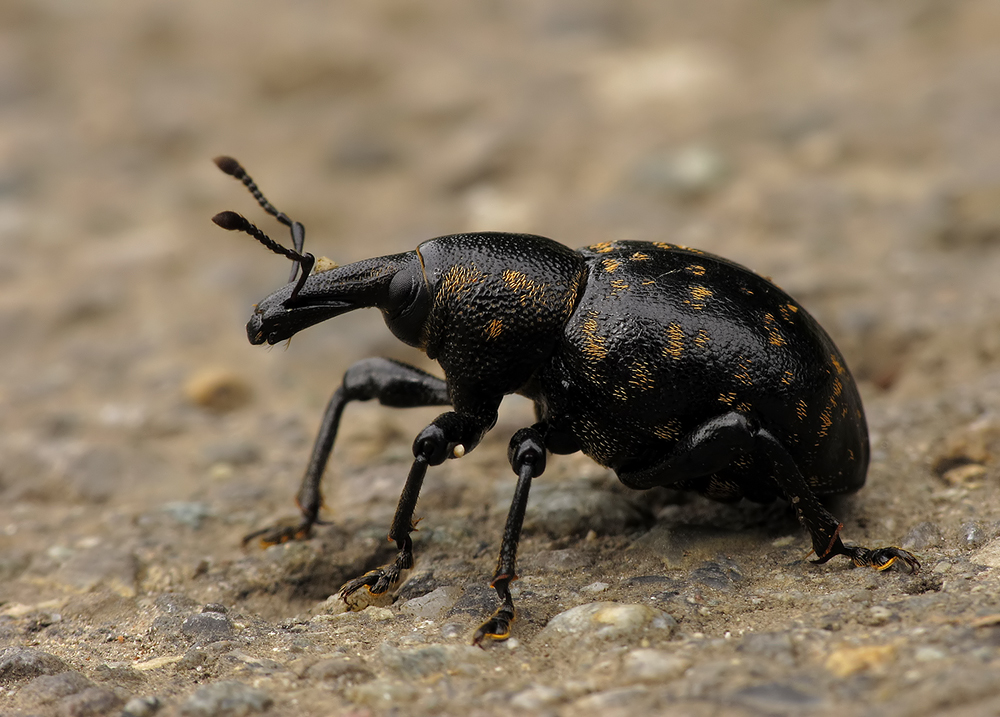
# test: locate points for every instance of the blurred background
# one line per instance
(848, 149)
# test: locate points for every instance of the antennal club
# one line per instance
(231, 221)
(234, 169)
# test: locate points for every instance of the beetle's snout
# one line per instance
(255, 327)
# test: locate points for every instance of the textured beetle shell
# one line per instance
(665, 337)
(626, 347)
(500, 302)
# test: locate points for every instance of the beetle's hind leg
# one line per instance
(823, 527)
(394, 384)
(713, 445)
(527, 458)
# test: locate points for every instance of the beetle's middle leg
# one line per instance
(393, 384)
(527, 458)
(712, 447)
(450, 435)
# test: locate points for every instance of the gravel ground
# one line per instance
(848, 149)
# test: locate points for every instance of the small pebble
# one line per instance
(142, 707)
(877, 615)
(190, 660)
(218, 390)
(988, 555)
(341, 670)
(965, 475)
(597, 587)
(20, 663)
(226, 699)
(333, 605)
(622, 700)
(942, 567)
(379, 614)
(49, 688)
(847, 661)
(413, 663)
(928, 654)
(207, 627)
(157, 663)
(606, 622)
(776, 698)
(418, 584)
(427, 660)
(91, 702)
(654, 666)
(722, 575)
(383, 694)
(536, 697)
(560, 560)
(772, 646)
(974, 534)
(922, 536)
(432, 605)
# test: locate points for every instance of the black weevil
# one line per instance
(669, 365)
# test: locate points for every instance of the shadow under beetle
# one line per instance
(671, 366)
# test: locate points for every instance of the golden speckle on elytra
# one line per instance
(699, 295)
(494, 328)
(675, 341)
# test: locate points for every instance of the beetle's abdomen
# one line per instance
(665, 338)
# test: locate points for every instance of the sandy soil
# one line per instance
(847, 149)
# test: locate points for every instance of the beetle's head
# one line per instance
(394, 284)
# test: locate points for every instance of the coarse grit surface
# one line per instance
(846, 149)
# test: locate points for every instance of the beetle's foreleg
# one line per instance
(527, 458)
(380, 580)
(441, 440)
(393, 384)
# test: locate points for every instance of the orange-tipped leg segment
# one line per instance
(527, 457)
(880, 558)
(498, 626)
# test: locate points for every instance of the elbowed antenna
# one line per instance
(234, 169)
(232, 221)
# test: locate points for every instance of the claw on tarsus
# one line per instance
(883, 558)
(497, 627)
(283, 532)
(378, 582)
(877, 558)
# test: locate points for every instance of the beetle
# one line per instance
(669, 365)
